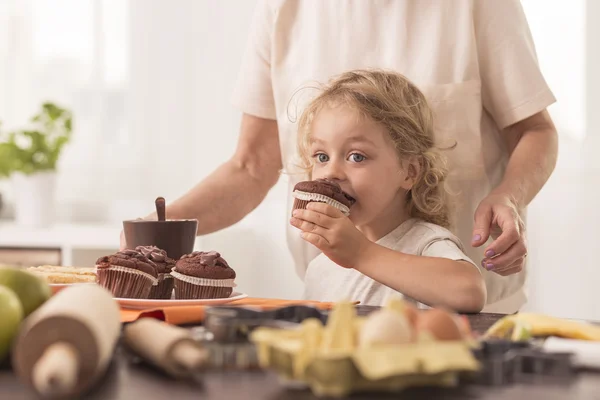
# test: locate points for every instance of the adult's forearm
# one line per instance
(221, 199)
(531, 162)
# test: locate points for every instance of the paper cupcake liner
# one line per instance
(189, 291)
(303, 198)
(126, 282)
(164, 289)
(204, 281)
(191, 287)
(300, 204)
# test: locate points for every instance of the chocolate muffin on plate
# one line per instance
(164, 264)
(127, 274)
(203, 275)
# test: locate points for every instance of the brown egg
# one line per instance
(465, 326)
(440, 323)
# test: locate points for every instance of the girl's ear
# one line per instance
(412, 171)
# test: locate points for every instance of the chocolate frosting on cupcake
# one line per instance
(209, 265)
(159, 257)
(129, 259)
(327, 188)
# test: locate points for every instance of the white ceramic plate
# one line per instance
(142, 304)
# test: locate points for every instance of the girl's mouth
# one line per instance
(351, 199)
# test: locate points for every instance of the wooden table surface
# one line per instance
(126, 381)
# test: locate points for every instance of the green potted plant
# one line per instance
(29, 157)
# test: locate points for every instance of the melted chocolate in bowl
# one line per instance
(176, 237)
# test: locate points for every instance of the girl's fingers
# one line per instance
(325, 208)
(315, 217)
(316, 240)
(308, 227)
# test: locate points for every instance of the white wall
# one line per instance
(563, 219)
(559, 33)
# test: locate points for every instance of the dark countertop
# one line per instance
(126, 381)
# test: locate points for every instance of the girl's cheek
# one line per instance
(315, 172)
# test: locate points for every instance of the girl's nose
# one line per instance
(335, 171)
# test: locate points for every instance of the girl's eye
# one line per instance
(356, 157)
(322, 158)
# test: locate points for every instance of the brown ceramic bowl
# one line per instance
(176, 236)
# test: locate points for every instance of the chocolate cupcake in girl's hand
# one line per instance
(164, 264)
(203, 275)
(322, 191)
(127, 274)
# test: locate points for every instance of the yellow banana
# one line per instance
(519, 326)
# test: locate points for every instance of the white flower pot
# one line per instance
(34, 197)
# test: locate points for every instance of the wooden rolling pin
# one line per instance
(65, 346)
(168, 347)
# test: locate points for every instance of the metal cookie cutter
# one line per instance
(225, 332)
(237, 355)
(495, 370)
(534, 364)
(505, 362)
(233, 324)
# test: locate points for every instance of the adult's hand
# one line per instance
(123, 242)
(533, 147)
(498, 216)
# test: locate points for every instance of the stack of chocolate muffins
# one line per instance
(147, 272)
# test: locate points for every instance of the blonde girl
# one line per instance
(371, 131)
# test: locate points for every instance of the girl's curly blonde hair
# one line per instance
(391, 100)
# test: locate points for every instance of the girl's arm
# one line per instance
(434, 281)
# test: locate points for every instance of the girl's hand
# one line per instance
(332, 232)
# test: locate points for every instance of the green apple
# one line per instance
(11, 315)
(32, 290)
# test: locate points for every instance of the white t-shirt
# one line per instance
(327, 281)
(474, 60)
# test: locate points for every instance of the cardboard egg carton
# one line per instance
(329, 359)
